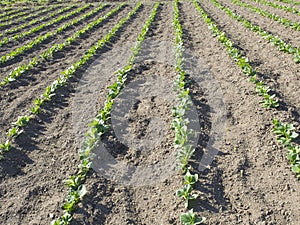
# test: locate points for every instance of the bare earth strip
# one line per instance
(280, 12)
(17, 99)
(47, 154)
(276, 68)
(249, 182)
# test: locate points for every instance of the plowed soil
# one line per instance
(248, 180)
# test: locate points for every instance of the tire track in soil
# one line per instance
(16, 98)
(9, 47)
(250, 182)
(25, 57)
(117, 203)
(31, 182)
(274, 27)
(280, 12)
(277, 69)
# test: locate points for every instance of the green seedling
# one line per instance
(40, 39)
(190, 179)
(186, 194)
(6, 146)
(22, 121)
(64, 220)
(274, 40)
(13, 132)
(100, 124)
(190, 218)
(270, 101)
(285, 132)
(185, 153)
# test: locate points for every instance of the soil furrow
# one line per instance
(140, 203)
(17, 101)
(6, 49)
(10, 26)
(250, 181)
(276, 68)
(12, 23)
(288, 35)
(28, 20)
(16, 17)
(280, 12)
(50, 153)
(247, 181)
(287, 4)
(33, 15)
(56, 39)
(8, 12)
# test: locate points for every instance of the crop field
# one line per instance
(149, 112)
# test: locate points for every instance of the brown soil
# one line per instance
(6, 49)
(38, 17)
(248, 182)
(282, 13)
(287, 34)
(17, 21)
(265, 58)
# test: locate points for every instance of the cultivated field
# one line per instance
(150, 113)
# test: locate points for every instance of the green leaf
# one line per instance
(190, 179)
(190, 218)
(6, 146)
(296, 168)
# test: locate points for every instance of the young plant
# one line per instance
(13, 132)
(186, 194)
(33, 21)
(270, 101)
(284, 21)
(184, 155)
(190, 179)
(39, 39)
(274, 40)
(285, 132)
(190, 218)
(6, 146)
(100, 124)
(47, 54)
(22, 120)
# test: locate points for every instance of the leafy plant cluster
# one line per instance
(284, 21)
(30, 15)
(289, 2)
(32, 2)
(277, 6)
(285, 135)
(274, 40)
(40, 39)
(16, 37)
(61, 81)
(18, 71)
(8, 11)
(39, 20)
(185, 150)
(99, 126)
(18, 14)
(269, 100)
